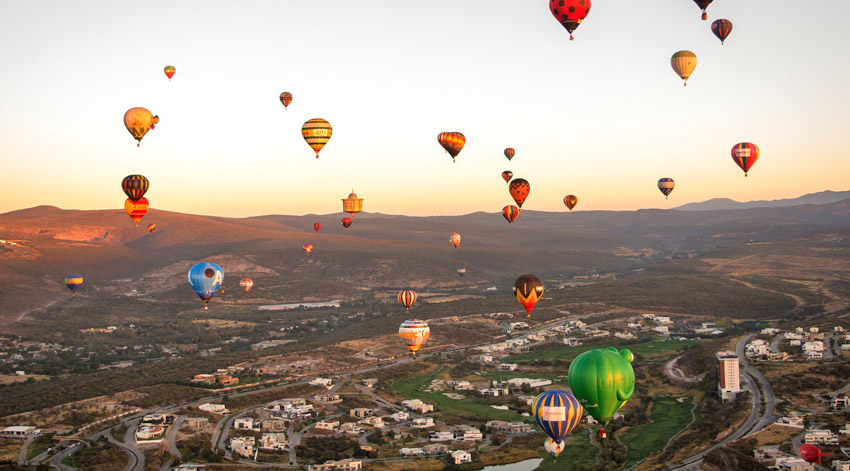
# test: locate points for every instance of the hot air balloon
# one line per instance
(528, 289)
(152, 228)
(414, 333)
(570, 13)
(135, 186)
(206, 278)
(557, 413)
(507, 175)
(703, 4)
(721, 29)
(352, 205)
(508, 329)
(812, 454)
(509, 153)
(570, 201)
(461, 272)
(510, 213)
(602, 380)
(317, 132)
(407, 298)
(317, 227)
(307, 248)
(684, 63)
(73, 282)
(286, 99)
(136, 209)
(139, 121)
(455, 240)
(554, 449)
(169, 71)
(246, 284)
(346, 222)
(666, 185)
(519, 188)
(453, 142)
(745, 155)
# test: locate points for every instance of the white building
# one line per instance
(18, 431)
(442, 436)
(571, 341)
(534, 383)
(840, 402)
(243, 446)
(327, 425)
(400, 416)
(825, 437)
(846, 429)
(326, 382)
(418, 406)
(663, 329)
(245, 423)
(792, 463)
(273, 441)
(376, 422)
(349, 464)
(214, 408)
(460, 456)
(508, 367)
(468, 434)
(412, 452)
(422, 422)
(460, 385)
(728, 375)
(841, 465)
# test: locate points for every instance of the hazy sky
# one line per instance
(602, 117)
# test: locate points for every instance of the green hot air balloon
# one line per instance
(602, 380)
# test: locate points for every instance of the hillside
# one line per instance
(823, 197)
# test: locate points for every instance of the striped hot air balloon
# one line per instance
(666, 185)
(206, 278)
(721, 28)
(407, 298)
(554, 449)
(286, 99)
(745, 155)
(346, 222)
(507, 175)
(510, 152)
(246, 284)
(136, 209)
(73, 282)
(135, 186)
(414, 333)
(519, 189)
(508, 329)
(453, 142)
(570, 201)
(510, 213)
(684, 63)
(557, 413)
(151, 228)
(317, 132)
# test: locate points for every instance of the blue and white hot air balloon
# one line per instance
(557, 413)
(206, 279)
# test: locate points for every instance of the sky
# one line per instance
(602, 117)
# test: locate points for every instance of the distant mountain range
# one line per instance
(823, 197)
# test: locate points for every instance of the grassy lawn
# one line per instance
(562, 352)
(506, 375)
(578, 454)
(668, 417)
(470, 407)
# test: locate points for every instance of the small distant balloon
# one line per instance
(452, 142)
(721, 28)
(684, 63)
(507, 175)
(73, 282)
(510, 213)
(455, 240)
(317, 132)
(346, 222)
(745, 155)
(151, 228)
(169, 71)
(246, 284)
(570, 201)
(317, 227)
(553, 448)
(286, 99)
(519, 189)
(666, 185)
(414, 333)
(136, 209)
(528, 290)
(461, 272)
(407, 298)
(138, 122)
(510, 152)
(307, 248)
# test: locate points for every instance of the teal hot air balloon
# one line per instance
(602, 380)
(557, 413)
(206, 279)
(508, 329)
(73, 282)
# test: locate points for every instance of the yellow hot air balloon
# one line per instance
(139, 121)
(317, 132)
(684, 63)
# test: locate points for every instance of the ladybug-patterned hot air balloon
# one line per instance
(317, 227)
(317, 132)
(135, 186)
(507, 175)
(665, 186)
(286, 99)
(570, 201)
(407, 298)
(519, 188)
(570, 13)
(414, 333)
(346, 222)
(684, 63)
(246, 284)
(703, 4)
(453, 142)
(509, 153)
(136, 209)
(528, 289)
(745, 155)
(510, 213)
(721, 28)
(169, 71)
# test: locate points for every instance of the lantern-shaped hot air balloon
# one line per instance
(684, 63)
(745, 155)
(307, 248)
(136, 209)
(286, 99)
(507, 175)
(206, 278)
(510, 152)
(407, 298)
(352, 205)
(665, 186)
(602, 380)
(317, 227)
(317, 132)
(169, 71)
(510, 213)
(151, 228)
(461, 272)
(557, 413)
(246, 284)
(138, 122)
(453, 142)
(73, 282)
(414, 333)
(135, 186)
(721, 28)
(455, 240)
(528, 289)
(570, 13)
(703, 4)
(346, 222)
(519, 189)
(570, 201)
(554, 449)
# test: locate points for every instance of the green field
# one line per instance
(668, 417)
(471, 407)
(560, 377)
(562, 352)
(578, 454)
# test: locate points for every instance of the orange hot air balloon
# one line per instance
(136, 209)
(455, 240)
(152, 228)
(346, 222)
(317, 132)
(570, 201)
(453, 142)
(169, 71)
(307, 248)
(684, 63)
(138, 122)
(519, 188)
(414, 333)
(528, 289)
(510, 213)
(507, 175)
(286, 99)
(317, 226)
(246, 284)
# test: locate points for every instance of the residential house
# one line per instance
(361, 412)
(839, 465)
(327, 425)
(150, 432)
(459, 385)
(534, 383)
(571, 341)
(418, 406)
(795, 420)
(376, 422)
(825, 437)
(369, 382)
(468, 434)
(243, 446)
(422, 422)
(327, 398)
(412, 452)
(846, 429)
(840, 402)
(526, 400)
(400, 416)
(245, 423)
(214, 408)
(273, 425)
(435, 449)
(442, 436)
(792, 463)
(273, 441)
(197, 423)
(460, 456)
(349, 464)
(326, 382)
(508, 367)
(509, 427)
(351, 428)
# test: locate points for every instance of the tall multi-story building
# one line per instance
(728, 375)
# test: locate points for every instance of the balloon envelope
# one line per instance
(346, 222)
(557, 413)
(286, 99)
(570, 13)
(73, 282)
(507, 175)
(519, 189)
(317, 227)
(169, 71)
(721, 28)
(136, 209)
(570, 201)
(510, 153)
(414, 333)
(307, 248)
(455, 240)
(510, 213)
(703, 4)
(602, 380)
(138, 122)
(152, 228)
(553, 448)
(407, 298)
(246, 284)
(745, 155)
(461, 272)
(453, 142)
(666, 185)
(684, 63)
(206, 279)
(528, 290)
(317, 132)
(135, 186)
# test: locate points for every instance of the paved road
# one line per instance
(130, 444)
(774, 346)
(22, 459)
(56, 461)
(769, 398)
(171, 435)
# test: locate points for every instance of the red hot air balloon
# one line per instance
(407, 298)
(346, 222)
(570, 201)
(317, 227)
(507, 175)
(510, 213)
(745, 155)
(570, 13)
(510, 152)
(812, 454)
(169, 71)
(721, 28)
(286, 99)
(136, 209)
(307, 248)
(246, 284)
(519, 188)
(453, 142)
